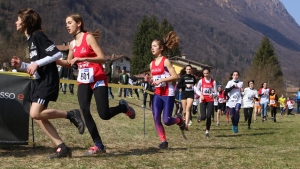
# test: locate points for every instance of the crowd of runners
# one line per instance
(192, 88)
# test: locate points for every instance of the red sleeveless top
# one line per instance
(207, 89)
(88, 72)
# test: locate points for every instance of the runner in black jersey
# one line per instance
(186, 83)
(45, 86)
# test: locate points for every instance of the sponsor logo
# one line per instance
(33, 53)
(20, 96)
(32, 46)
(83, 50)
(6, 95)
(50, 48)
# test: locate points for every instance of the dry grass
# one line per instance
(266, 145)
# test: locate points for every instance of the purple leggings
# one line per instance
(163, 104)
(235, 114)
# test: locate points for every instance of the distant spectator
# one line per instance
(67, 73)
(147, 86)
(4, 67)
(134, 82)
(108, 75)
(298, 101)
(123, 80)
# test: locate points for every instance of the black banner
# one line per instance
(14, 109)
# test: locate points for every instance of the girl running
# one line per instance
(273, 104)
(264, 94)
(290, 105)
(282, 103)
(221, 104)
(186, 83)
(88, 56)
(45, 86)
(257, 108)
(248, 102)
(206, 89)
(164, 96)
(233, 89)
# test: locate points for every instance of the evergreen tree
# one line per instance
(266, 67)
(148, 30)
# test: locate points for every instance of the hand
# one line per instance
(242, 89)
(202, 97)
(235, 84)
(32, 68)
(15, 62)
(211, 95)
(157, 82)
(75, 60)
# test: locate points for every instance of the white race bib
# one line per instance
(189, 87)
(234, 97)
(272, 101)
(221, 100)
(206, 91)
(85, 75)
(158, 77)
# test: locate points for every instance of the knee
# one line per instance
(35, 116)
(167, 122)
(104, 115)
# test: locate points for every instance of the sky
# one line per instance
(292, 6)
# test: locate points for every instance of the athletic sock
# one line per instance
(70, 114)
(99, 145)
(62, 146)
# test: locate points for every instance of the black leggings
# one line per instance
(248, 114)
(206, 111)
(273, 112)
(100, 93)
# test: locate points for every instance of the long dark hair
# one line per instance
(183, 71)
(235, 71)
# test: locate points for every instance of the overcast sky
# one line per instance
(293, 7)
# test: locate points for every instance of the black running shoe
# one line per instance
(77, 120)
(181, 124)
(130, 111)
(60, 153)
(163, 145)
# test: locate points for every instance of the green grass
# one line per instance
(266, 145)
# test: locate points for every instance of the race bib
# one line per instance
(272, 101)
(206, 91)
(234, 97)
(250, 98)
(85, 75)
(158, 77)
(189, 87)
(221, 100)
(257, 104)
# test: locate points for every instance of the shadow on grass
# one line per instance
(219, 147)
(248, 134)
(20, 151)
(150, 150)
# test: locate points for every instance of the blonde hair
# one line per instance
(77, 18)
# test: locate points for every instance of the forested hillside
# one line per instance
(222, 33)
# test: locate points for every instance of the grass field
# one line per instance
(266, 145)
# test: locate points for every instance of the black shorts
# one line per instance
(42, 94)
(187, 94)
(222, 106)
(216, 108)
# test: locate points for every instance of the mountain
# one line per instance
(223, 33)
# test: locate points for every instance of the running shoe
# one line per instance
(61, 153)
(274, 119)
(143, 106)
(163, 145)
(235, 129)
(181, 124)
(218, 124)
(190, 123)
(199, 119)
(130, 111)
(249, 127)
(207, 135)
(77, 120)
(186, 128)
(95, 150)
